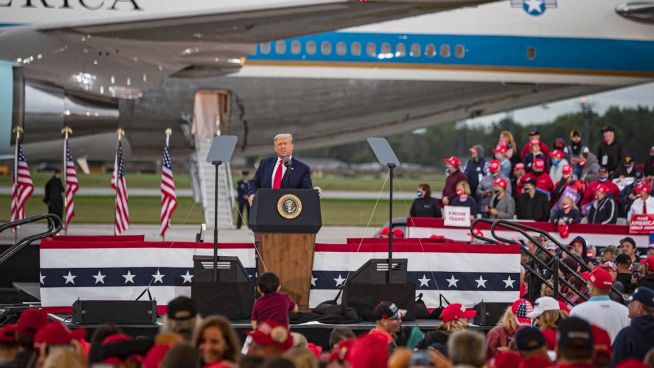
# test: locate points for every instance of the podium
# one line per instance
(285, 223)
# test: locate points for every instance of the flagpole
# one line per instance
(120, 133)
(167, 132)
(66, 131)
(16, 130)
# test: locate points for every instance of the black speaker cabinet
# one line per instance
(89, 312)
(488, 314)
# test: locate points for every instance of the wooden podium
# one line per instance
(285, 223)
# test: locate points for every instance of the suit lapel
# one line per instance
(270, 170)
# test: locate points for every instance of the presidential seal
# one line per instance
(289, 206)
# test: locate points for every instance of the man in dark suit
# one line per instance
(54, 198)
(282, 170)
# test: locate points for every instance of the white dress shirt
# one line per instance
(637, 207)
(279, 159)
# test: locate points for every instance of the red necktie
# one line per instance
(277, 182)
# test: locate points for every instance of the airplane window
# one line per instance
(445, 51)
(531, 53)
(371, 49)
(325, 48)
(280, 47)
(400, 50)
(341, 48)
(355, 49)
(311, 48)
(295, 47)
(430, 50)
(415, 50)
(265, 48)
(459, 51)
(385, 48)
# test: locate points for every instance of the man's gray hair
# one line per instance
(283, 135)
(467, 348)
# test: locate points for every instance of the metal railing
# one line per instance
(54, 227)
(551, 265)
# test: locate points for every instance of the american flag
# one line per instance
(168, 196)
(22, 186)
(72, 185)
(118, 183)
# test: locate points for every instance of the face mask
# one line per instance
(419, 194)
(460, 192)
(525, 190)
(602, 179)
(566, 206)
(556, 162)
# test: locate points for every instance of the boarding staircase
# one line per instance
(204, 178)
(539, 271)
(19, 262)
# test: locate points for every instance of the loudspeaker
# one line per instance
(488, 314)
(114, 311)
(233, 300)
(232, 296)
(368, 286)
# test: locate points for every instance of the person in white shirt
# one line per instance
(599, 310)
(644, 204)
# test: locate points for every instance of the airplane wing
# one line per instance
(122, 57)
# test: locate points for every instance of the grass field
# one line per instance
(328, 182)
(145, 210)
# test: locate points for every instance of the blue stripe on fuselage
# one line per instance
(481, 50)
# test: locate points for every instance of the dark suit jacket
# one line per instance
(298, 177)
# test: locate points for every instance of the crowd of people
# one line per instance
(565, 183)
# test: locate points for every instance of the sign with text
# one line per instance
(456, 216)
(641, 224)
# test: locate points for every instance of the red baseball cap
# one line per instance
(456, 311)
(271, 333)
(539, 164)
(649, 262)
(599, 278)
(520, 309)
(8, 334)
(500, 182)
(602, 344)
(55, 333)
(642, 187)
(30, 321)
(558, 154)
(494, 166)
(567, 169)
(453, 160)
(501, 148)
(519, 166)
(602, 188)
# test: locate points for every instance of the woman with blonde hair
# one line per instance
(464, 199)
(548, 314)
(506, 139)
(217, 343)
(514, 317)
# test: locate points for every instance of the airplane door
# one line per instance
(210, 114)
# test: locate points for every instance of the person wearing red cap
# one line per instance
(540, 176)
(603, 210)
(534, 135)
(567, 180)
(485, 189)
(454, 176)
(455, 318)
(644, 203)
(514, 317)
(501, 155)
(501, 204)
(599, 309)
(536, 154)
(8, 343)
(558, 163)
(269, 340)
(29, 323)
(516, 179)
(602, 179)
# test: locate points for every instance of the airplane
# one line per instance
(270, 72)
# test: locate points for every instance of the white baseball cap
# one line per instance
(543, 304)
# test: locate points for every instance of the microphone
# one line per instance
(287, 161)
